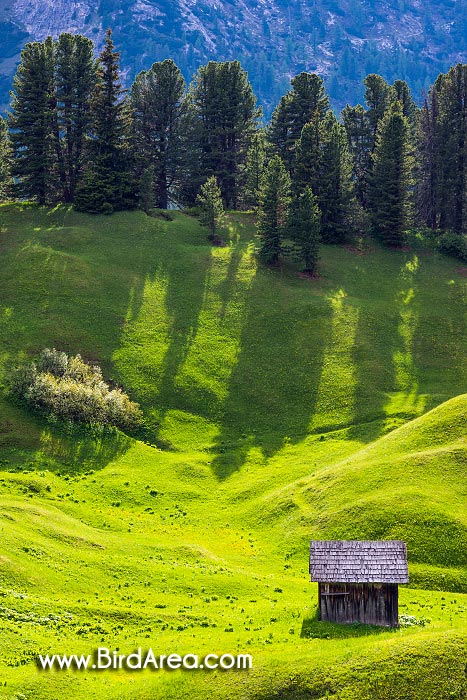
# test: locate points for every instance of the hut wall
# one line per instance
(368, 603)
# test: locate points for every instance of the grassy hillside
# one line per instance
(281, 409)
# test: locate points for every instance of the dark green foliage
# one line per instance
(75, 76)
(30, 123)
(391, 180)
(323, 163)
(254, 169)
(5, 160)
(379, 95)
(442, 154)
(210, 201)
(146, 190)
(403, 94)
(428, 161)
(107, 184)
(304, 228)
(159, 119)
(273, 210)
(451, 146)
(307, 163)
(69, 389)
(360, 140)
(305, 101)
(50, 117)
(225, 120)
(454, 244)
(336, 190)
(74, 137)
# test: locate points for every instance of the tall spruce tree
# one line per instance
(391, 180)
(304, 228)
(308, 152)
(107, 184)
(254, 169)
(307, 99)
(225, 122)
(5, 161)
(403, 94)
(360, 140)
(30, 122)
(379, 95)
(336, 189)
(428, 162)
(159, 117)
(210, 202)
(273, 210)
(146, 190)
(451, 143)
(323, 163)
(74, 78)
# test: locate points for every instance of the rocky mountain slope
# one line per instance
(342, 40)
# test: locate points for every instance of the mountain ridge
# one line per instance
(342, 40)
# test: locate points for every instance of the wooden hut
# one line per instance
(358, 581)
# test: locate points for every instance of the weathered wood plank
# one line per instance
(368, 603)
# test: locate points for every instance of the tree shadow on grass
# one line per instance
(184, 313)
(81, 449)
(383, 349)
(376, 341)
(274, 384)
(185, 272)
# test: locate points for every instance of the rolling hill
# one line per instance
(282, 409)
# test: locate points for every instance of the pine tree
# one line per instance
(226, 118)
(323, 163)
(403, 94)
(31, 123)
(391, 181)
(157, 101)
(360, 141)
(379, 96)
(74, 76)
(5, 161)
(192, 172)
(307, 163)
(273, 211)
(212, 209)
(146, 189)
(304, 227)
(451, 146)
(428, 161)
(107, 184)
(254, 169)
(306, 100)
(336, 189)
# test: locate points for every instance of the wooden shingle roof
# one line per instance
(356, 561)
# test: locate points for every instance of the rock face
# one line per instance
(343, 40)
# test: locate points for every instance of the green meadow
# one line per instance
(279, 409)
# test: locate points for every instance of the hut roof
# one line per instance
(355, 561)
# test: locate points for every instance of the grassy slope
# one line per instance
(273, 399)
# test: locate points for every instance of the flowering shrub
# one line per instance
(70, 389)
(412, 621)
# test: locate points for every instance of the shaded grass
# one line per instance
(282, 402)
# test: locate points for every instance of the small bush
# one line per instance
(193, 211)
(70, 389)
(454, 244)
(412, 621)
